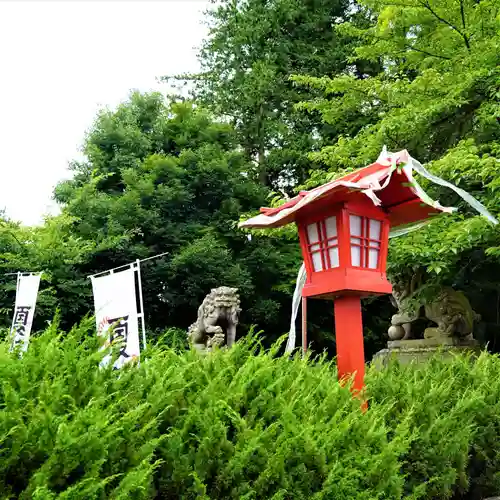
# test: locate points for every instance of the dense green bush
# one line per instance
(450, 412)
(244, 423)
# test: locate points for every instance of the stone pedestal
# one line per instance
(420, 350)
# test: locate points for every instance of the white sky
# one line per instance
(60, 62)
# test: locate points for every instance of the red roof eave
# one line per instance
(373, 181)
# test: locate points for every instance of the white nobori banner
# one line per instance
(116, 312)
(26, 295)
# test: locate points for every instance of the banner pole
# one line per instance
(11, 334)
(143, 321)
(128, 265)
(24, 273)
(15, 302)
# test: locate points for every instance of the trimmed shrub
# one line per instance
(452, 415)
(239, 424)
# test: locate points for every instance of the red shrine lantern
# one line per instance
(344, 247)
(344, 232)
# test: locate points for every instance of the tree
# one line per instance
(61, 256)
(252, 49)
(166, 177)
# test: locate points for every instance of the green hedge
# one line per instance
(241, 424)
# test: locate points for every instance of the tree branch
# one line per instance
(11, 233)
(398, 4)
(411, 47)
(462, 13)
(427, 6)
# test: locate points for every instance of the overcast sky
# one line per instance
(60, 62)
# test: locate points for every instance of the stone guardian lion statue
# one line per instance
(217, 320)
(450, 310)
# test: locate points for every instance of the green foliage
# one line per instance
(60, 254)
(171, 178)
(448, 410)
(436, 95)
(241, 423)
(173, 338)
(160, 176)
(252, 49)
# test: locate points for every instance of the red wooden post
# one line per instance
(349, 338)
(304, 324)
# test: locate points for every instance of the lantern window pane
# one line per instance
(355, 256)
(312, 233)
(365, 241)
(334, 256)
(373, 258)
(317, 264)
(331, 227)
(355, 223)
(323, 244)
(375, 229)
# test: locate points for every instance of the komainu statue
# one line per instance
(217, 319)
(450, 310)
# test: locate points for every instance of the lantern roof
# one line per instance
(388, 183)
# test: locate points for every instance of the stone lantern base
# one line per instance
(420, 351)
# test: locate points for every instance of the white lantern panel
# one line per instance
(314, 248)
(355, 256)
(334, 256)
(312, 233)
(374, 244)
(356, 241)
(355, 225)
(373, 258)
(317, 264)
(331, 227)
(375, 229)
